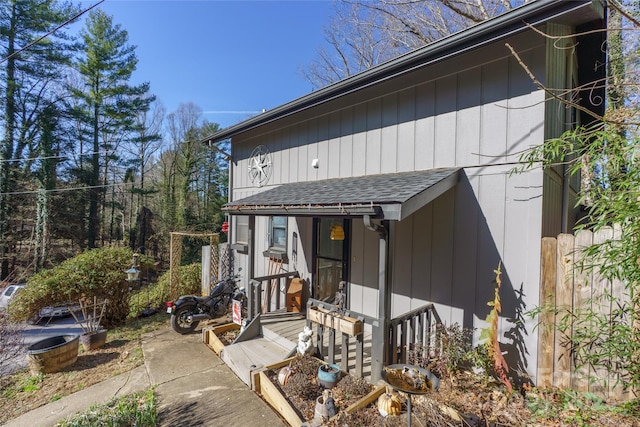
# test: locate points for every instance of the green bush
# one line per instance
(157, 294)
(94, 273)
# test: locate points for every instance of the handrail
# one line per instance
(346, 339)
(257, 303)
(416, 327)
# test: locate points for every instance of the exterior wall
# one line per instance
(478, 111)
(560, 191)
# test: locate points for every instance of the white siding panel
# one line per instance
(465, 247)
(424, 126)
(356, 267)
(406, 131)
(359, 140)
(389, 146)
(295, 171)
(493, 136)
(374, 135)
(522, 118)
(445, 122)
(312, 150)
(421, 255)
(491, 234)
(282, 159)
(401, 233)
(333, 162)
(468, 120)
(303, 162)
(442, 254)
(346, 144)
(323, 147)
(523, 215)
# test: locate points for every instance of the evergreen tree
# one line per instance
(108, 104)
(30, 70)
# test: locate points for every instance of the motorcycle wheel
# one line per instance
(181, 320)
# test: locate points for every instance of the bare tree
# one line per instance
(11, 344)
(364, 33)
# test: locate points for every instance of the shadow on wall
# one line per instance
(462, 258)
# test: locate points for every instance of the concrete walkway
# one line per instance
(194, 388)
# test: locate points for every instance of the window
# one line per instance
(278, 233)
(242, 229)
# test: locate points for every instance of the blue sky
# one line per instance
(224, 56)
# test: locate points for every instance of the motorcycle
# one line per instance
(188, 310)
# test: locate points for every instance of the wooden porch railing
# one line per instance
(264, 294)
(346, 338)
(415, 328)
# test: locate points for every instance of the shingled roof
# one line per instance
(391, 196)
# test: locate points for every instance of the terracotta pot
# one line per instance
(93, 340)
(52, 354)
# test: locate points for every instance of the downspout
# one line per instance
(380, 338)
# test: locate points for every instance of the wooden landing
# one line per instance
(278, 341)
(291, 328)
(246, 357)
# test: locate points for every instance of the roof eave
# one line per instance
(529, 14)
(302, 210)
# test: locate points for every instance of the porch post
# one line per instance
(250, 269)
(250, 247)
(380, 337)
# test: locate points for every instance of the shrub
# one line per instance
(155, 295)
(94, 273)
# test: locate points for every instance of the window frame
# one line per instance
(271, 234)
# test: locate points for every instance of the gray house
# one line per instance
(398, 180)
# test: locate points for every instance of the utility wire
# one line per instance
(50, 32)
(56, 190)
(66, 156)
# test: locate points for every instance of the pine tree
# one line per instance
(30, 71)
(108, 104)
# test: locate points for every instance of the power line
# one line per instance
(50, 32)
(57, 190)
(66, 156)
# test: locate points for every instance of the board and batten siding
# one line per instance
(477, 111)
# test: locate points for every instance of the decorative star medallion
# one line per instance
(260, 166)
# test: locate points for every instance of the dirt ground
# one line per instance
(465, 400)
(22, 392)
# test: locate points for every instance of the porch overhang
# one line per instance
(392, 196)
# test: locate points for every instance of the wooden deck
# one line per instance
(278, 340)
(290, 328)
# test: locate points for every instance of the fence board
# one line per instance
(618, 291)
(581, 299)
(601, 305)
(548, 302)
(564, 299)
(564, 289)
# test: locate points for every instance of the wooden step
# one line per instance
(245, 357)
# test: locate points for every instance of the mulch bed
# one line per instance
(302, 387)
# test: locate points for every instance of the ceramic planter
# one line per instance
(329, 375)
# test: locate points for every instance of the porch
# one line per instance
(340, 336)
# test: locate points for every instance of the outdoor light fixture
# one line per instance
(132, 274)
(337, 232)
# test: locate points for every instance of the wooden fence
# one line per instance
(565, 286)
